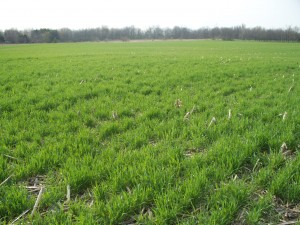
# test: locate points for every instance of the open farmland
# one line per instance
(163, 132)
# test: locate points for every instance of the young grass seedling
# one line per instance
(143, 163)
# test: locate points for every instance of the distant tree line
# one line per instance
(13, 36)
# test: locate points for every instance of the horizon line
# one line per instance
(156, 26)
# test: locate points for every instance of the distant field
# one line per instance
(164, 132)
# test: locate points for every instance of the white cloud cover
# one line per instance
(57, 14)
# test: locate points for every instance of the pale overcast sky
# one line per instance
(78, 14)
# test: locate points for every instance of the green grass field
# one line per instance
(163, 132)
